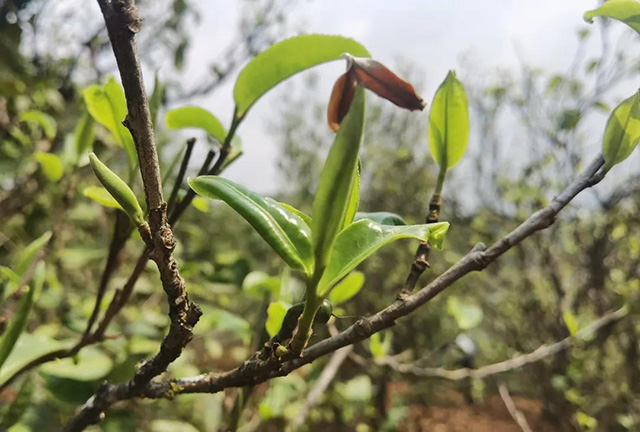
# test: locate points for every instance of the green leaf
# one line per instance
(196, 117)
(449, 122)
(287, 58)
(467, 316)
(570, 321)
(51, 165)
(89, 364)
(258, 283)
(118, 189)
(101, 195)
(108, 106)
(336, 180)
(380, 347)
(354, 198)
(20, 404)
(627, 11)
(383, 218)
(275, 314)
(284, 231)
(358, 389)
(27, 348)
(200, 204)
(84, 135)
(305, 217)
(28, 254)
(19, 320)
(347, 288)
(362, 239)
(44, 120)
(622, 133)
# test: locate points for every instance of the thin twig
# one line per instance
(515, 363)
(180, 177)
(516, 414)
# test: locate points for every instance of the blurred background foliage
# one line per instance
(531, 132)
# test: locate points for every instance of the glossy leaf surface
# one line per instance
(287, 234)
(363, 238)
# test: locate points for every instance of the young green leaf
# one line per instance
(362, 239)
(336, 180)
(347, 288)
(627, 11)
(380, 347)
(51, 165)
(101, 195)
(118, 189)
(467, 316)
(107, 105)
(284, 231)
(382, 218)
(196, 117)
(570, 321)
(622, 133)
(287, 58)
(44, 120)
(84, 135)
(27, 255)
(305, 217)
(275, 314)
(449, 122)
(19, 320)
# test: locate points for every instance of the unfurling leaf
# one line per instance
(196, 117)
(362, 239)
(118, 189)
(449, 122)
(627, 11)
(287, 234)
(336, 181)
(622, 133)
(374, 76)
(287, 58)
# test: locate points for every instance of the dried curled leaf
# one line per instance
(374, 76)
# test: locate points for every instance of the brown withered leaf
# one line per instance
(341, 97)
(374, 76)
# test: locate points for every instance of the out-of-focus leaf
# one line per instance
(622, 133)
(90, 364)
(27, 348)
(347, 288)
(200, 204)
(20, 404)
(336, 181)
(287, 58)
(196, 117)
(363, 238)
(44, 120)
(260, 282)
(26, 256)
(627, 11)
(284, 231)
(275, 314)
(51, 165)
(358, 389)
(570, 321)
(383, 218)
(172, 426)
(156, 99)
(449, 122)
(101, 195)
(108, 106)
(84, 135)
(467, 316)
(378, 346)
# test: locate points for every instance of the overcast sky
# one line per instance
(434, 34)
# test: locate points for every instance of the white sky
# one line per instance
(434, 34)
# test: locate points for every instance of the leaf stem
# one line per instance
(305, 322)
